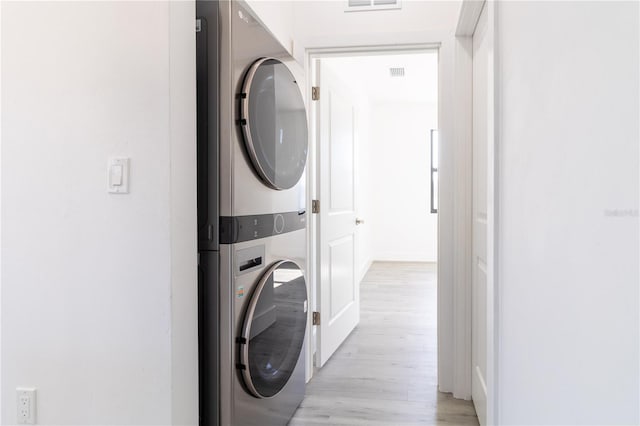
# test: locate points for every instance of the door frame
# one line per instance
(467, 20)
(313, 172)
(454, 232)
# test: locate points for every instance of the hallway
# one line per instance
(385, 372)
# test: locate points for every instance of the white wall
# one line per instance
(568, 245)
(299, 25)
(95, 291)
(1, 215)
(277, 17)
(183, 208)
(403, 225)
(324, 23)
(363, 183)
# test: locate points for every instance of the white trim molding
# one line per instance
(463, 216)
(448, 221)
(493, 305)
(468, 17)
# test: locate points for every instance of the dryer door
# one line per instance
(274, 329)
(274, 123)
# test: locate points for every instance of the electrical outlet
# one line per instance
(26, 400)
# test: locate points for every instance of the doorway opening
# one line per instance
(374, 242)
(375, 121)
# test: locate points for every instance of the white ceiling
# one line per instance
(372, 75)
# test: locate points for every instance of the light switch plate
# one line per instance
(118, 176)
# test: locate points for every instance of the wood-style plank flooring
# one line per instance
(385, 373)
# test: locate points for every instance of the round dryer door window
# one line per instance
(274, 123)
(274, 329)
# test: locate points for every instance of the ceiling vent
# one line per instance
(397, 72)
(362, 5)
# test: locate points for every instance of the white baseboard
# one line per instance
(363, 271)
(405, 257)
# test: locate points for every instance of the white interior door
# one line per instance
(479, 274)
(339, 298)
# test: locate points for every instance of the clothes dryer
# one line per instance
(263, 120)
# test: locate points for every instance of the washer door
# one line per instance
(274, 123)
(274, 329)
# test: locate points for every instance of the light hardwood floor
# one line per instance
(385, 372)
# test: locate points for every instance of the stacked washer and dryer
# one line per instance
(252, 150)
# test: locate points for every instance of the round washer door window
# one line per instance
(274, 123)
(274, 329)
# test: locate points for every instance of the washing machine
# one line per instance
(262, 229)
(263, 368)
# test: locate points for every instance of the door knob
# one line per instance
(359, 221)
